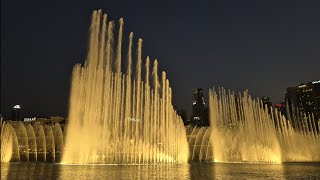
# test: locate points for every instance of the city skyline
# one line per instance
(220, 45)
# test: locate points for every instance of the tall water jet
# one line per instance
(245, 131)
(241, 130)
(301, 144)
(117, 118)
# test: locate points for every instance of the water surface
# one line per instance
(182, 171)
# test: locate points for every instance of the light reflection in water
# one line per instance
(250, 171)
(180, 171)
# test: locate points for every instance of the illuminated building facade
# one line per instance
(306, 98)
(199, 110)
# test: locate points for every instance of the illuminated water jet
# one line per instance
(244, 131)
(200, 144)
(28, 142)
(115, 118)
(128, 118)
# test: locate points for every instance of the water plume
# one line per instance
(243, 130)
(115, 117)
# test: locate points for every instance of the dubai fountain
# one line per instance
(123, 118)
(119, 118)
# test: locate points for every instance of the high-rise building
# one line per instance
(282, 108)
(198, 102)
(306, 98)
(266, 101)
(15, 114)
(199, 111)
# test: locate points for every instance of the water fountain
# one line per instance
(115, 117)
(29, 142)
(200, 143)
(118, 118)
(9, 141)
(244, 131)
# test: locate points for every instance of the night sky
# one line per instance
(264, 46)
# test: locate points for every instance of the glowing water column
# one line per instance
(242, 131)
(28, 142)
(117, 118)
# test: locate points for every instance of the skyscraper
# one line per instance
(306, 98)
(281, 107)
(15, 114)
(266, 101)
(198, 102)
(199, 110)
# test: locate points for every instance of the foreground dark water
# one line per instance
(183, 171)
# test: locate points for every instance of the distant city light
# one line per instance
(315, 82)
(16, 106)
(196, 118)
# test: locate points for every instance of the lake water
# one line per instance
(183, 171)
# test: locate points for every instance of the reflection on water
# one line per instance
(182, 171)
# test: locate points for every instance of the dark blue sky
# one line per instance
(263, 46)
